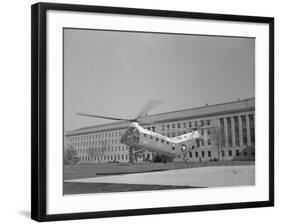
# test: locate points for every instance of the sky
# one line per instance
(114, 73)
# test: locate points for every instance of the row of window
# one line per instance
(95, 136)
(202, 154)
(104, 158)
(190, 124)
(95, 143)
(237, 153)
(105, 149)
(229, 152)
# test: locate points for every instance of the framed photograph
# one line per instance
(153, 111)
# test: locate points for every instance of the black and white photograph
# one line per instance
(146, 111)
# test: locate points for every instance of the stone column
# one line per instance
(219, 143)
(225, 132)
(248, 130)
(233, 132)
(240, 130)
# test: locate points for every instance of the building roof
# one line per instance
(187, 114)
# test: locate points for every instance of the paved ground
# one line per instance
(79, 171)
(211, 176)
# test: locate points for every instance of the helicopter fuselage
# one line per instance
(141, 138)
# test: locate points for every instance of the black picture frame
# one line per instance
(39, 108)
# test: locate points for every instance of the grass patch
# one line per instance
(87, 188)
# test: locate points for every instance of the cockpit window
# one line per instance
(131, 136)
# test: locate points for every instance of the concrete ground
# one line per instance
(215, 176)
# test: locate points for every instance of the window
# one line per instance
(162, 140)
(190, 154)
(163, 127)
(209, 141)
(179, 125)
(208, 122)
(229, 152)
(198, 143)
(202, 153)
(202, 123)
(195, 124)
(184, 125)
(168, 126)
(237, 152)
(156, 139)
(245, 152)
(173, 147)
(167, 143)
(196, 154)
(209, 154)
(222, 153)
(190, 124)
(173, 125)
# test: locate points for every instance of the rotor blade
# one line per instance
(148, 107)
(104, 117)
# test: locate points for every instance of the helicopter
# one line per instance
(140, 139)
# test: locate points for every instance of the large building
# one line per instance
(229, 134)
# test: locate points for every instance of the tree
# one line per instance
(70, 156)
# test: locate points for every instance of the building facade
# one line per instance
(228, 134)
